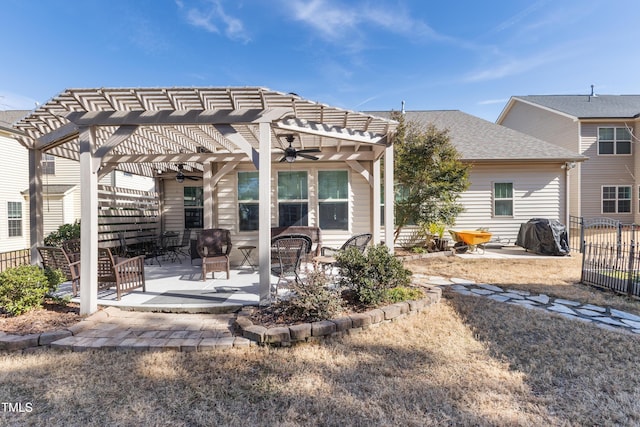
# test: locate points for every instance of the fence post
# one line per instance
(630, 275)
(582, 241)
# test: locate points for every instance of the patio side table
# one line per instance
(246, 253)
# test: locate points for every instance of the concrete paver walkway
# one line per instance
(604, 317)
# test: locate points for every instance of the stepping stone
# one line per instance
(636, 331)
(631, 323)
(512, 295)
(542, 298)
(526, 304)
(439, 281)
(559, 308)
(610, 321)
(459, 288)
(590, 313)
(459, 281)
(482, 291)
(465, 292)
(499, 298)
(594, 308)
(566, 302)
(519, 292)
(490, 287)
(624, 315)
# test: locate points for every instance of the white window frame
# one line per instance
(300, 201)
(494, 199)
(48, 164)
(616, 199)
(345, 199)
(615, 141)
(12, 219)
(244, 201)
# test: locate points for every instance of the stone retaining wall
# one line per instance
(282, 336)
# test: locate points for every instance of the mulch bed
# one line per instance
(52, 316)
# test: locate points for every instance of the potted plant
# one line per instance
(436, 229)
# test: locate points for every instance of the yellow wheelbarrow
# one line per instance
(469, 240)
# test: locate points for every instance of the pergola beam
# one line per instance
(324, 130)
(176, 117)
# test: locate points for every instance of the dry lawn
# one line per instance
(466, 361)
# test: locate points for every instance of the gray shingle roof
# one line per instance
(9, 117)
(480, 140)
(589, 107)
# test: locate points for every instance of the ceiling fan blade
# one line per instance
(284, 159)
(307, 156)
(193, 178)
(309, 150)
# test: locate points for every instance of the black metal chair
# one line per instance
(359, 241)
(286, 257)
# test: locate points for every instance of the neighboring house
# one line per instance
(61, 189)
(14, 173)
(602, 128)
(514, 177)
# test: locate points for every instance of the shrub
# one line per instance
(371, 274)
(22, 288)
(403, 293)
(54, 278)
(64, 232)
(312, 300)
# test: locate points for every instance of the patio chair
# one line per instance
(210, 248)
(183, 248)
(359, 241)
(72, 248)
(286, 256)
(55, 258)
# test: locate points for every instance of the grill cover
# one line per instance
(544, 236)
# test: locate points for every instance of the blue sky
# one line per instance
(361, 55)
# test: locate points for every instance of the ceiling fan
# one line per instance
(180, 176)
(291, 153)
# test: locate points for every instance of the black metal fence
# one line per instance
(612, 266)
(599, 231)
(14, 259)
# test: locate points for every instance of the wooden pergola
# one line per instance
(149, 131)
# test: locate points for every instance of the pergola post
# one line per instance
(36, 227)
(264, 213)
(389, 218)
(89, 222)
(207, 189)
(376, 223)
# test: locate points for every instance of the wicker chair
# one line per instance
(214, 247)
(359, 241)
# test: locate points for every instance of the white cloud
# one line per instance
(339, 22)
(213, 18)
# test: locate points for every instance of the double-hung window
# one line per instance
(333, 202)
(193, 207)
(503, 199)
(48, 164)
(612, 140)
(14, 216)
(248, 201)
(293, 198)
(616, 199)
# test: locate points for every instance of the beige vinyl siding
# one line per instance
(543, 124)
(226, 204)
(538, 193)
(15, 179)
(609, 170)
